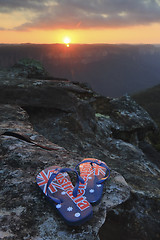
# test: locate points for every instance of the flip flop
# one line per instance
(94, 172)
(68, 200)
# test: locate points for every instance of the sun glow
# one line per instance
(67, 40)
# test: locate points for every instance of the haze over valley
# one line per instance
(111, 70)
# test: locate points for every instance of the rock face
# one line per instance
(24, 212)
(80, 123)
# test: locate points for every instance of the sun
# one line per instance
(67, 40)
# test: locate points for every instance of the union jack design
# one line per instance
(42, 180)
(87, 170)
(98, 170)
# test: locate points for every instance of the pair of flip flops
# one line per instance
(73, 202)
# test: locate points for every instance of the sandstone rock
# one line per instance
(117, 139)
(79, 120)
(25, 214)
(53, 94)
(126, 119)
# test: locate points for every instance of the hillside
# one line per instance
(111, 70)
(150, 101)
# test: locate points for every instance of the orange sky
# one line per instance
(95, 21)
(137, 34)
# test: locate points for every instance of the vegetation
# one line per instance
(29, 62)
(30, 68)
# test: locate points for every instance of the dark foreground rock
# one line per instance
(119, 137)
(88, 125)
(25, 214)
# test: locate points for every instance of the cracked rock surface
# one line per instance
(78, 123)
(25, 213)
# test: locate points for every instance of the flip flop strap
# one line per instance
(98, 162)
(53, 176)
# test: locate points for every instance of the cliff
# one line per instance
(77, 123)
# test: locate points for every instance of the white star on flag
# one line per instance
(99, 185)
(63, 193)
(91, 190)
(69, 209)
(58, 206)
(77, 214)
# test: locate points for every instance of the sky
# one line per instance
(83, 21)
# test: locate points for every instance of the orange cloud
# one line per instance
(86, 21)
(73, 14)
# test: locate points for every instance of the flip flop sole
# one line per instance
(91, 174)
(74, 210)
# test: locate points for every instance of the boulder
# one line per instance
(80, 123)
(54, 94)
(117, 136)
(25, 213)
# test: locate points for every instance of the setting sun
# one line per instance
(67, 40)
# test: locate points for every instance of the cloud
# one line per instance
(10, 5)
(70, 14)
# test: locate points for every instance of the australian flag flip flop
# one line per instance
(69, 201)
(94, 172)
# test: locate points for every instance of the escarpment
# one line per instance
(77, 123)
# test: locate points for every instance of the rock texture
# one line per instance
(25, 214)
(75, 118)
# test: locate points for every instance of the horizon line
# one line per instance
(105, 43)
